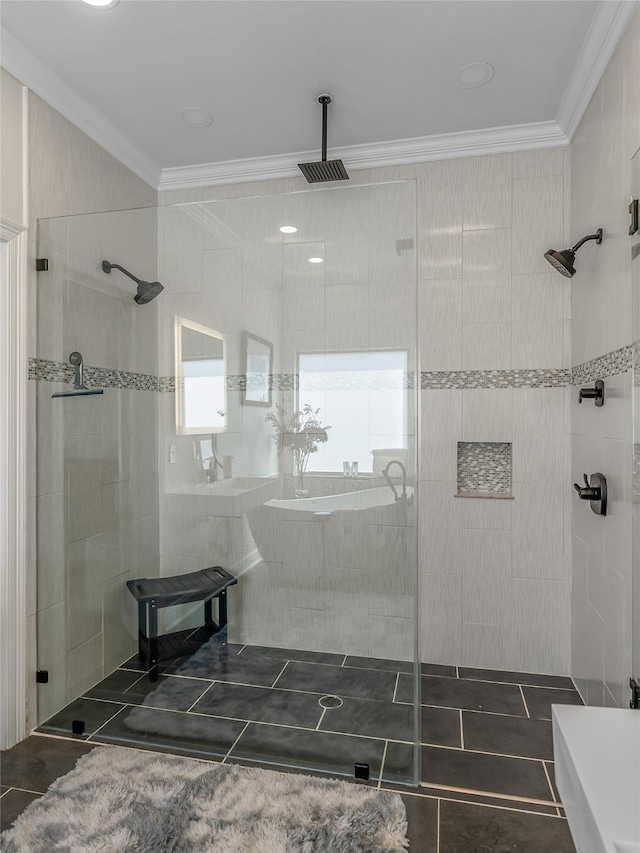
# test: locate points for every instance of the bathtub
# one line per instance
(362, 499)
(340, 572)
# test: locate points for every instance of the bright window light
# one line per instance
(363, 397)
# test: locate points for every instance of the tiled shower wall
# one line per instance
(493, 341)
(604, 144)
(495, 573)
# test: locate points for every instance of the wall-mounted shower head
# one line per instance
(563, 261)
(147, 290)
(324, 170)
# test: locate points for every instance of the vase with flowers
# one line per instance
(301, 433)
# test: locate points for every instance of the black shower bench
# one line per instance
(152, 594)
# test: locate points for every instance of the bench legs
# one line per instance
(222, 608)
(148, 628)
(148, 636)
(222, 612)
(153, 641)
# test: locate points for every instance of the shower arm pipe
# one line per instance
(122, 269)
(324, 100)
(597, 237)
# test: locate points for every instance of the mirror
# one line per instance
(258, 366)
(201, 379)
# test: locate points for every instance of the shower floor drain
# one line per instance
(330, 702)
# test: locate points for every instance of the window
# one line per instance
(363, 397)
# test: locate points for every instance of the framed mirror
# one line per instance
(257, 360)
(201, 379)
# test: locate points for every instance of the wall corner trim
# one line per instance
(607, 27)
(13, 493)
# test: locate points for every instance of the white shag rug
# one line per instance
(119, 800)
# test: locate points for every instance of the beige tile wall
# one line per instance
(606, 140)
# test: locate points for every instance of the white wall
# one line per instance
(606, 140)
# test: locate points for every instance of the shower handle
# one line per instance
(595, 492)
(587, 492)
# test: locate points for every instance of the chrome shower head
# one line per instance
(563, 261)
(147, 290)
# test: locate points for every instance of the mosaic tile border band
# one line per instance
(610, 364)
(94, 377)
(495, 379)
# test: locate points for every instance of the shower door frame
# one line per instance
(13, 435)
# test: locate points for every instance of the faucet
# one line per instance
(214, 463)
(385, 474)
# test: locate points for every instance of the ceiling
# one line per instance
(257, 66)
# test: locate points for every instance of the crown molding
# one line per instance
(445, 146)
(605, 31)
(25, 66)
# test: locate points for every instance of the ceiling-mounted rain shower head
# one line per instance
(147, 290)
(563, 261)
(324, 170)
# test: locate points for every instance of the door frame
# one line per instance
(13, 485)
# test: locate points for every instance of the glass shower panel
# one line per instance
(335, 551)
(277, 442)
(635, 577)
(97, 500)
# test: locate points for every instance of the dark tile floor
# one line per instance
(486, 753)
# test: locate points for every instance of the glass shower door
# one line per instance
(258, 415)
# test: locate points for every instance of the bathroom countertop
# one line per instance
(597, 767)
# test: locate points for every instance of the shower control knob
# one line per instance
(595, 492)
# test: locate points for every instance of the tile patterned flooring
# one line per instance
(487, 753)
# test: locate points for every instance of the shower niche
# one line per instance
(484, 469)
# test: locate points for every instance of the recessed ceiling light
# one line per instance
(195, 117)
(101, 4)
(315, 260)
(473, 75)
(288, 229)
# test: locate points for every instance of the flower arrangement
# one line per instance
(301, 433)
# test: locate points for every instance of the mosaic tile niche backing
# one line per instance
(484, 468)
